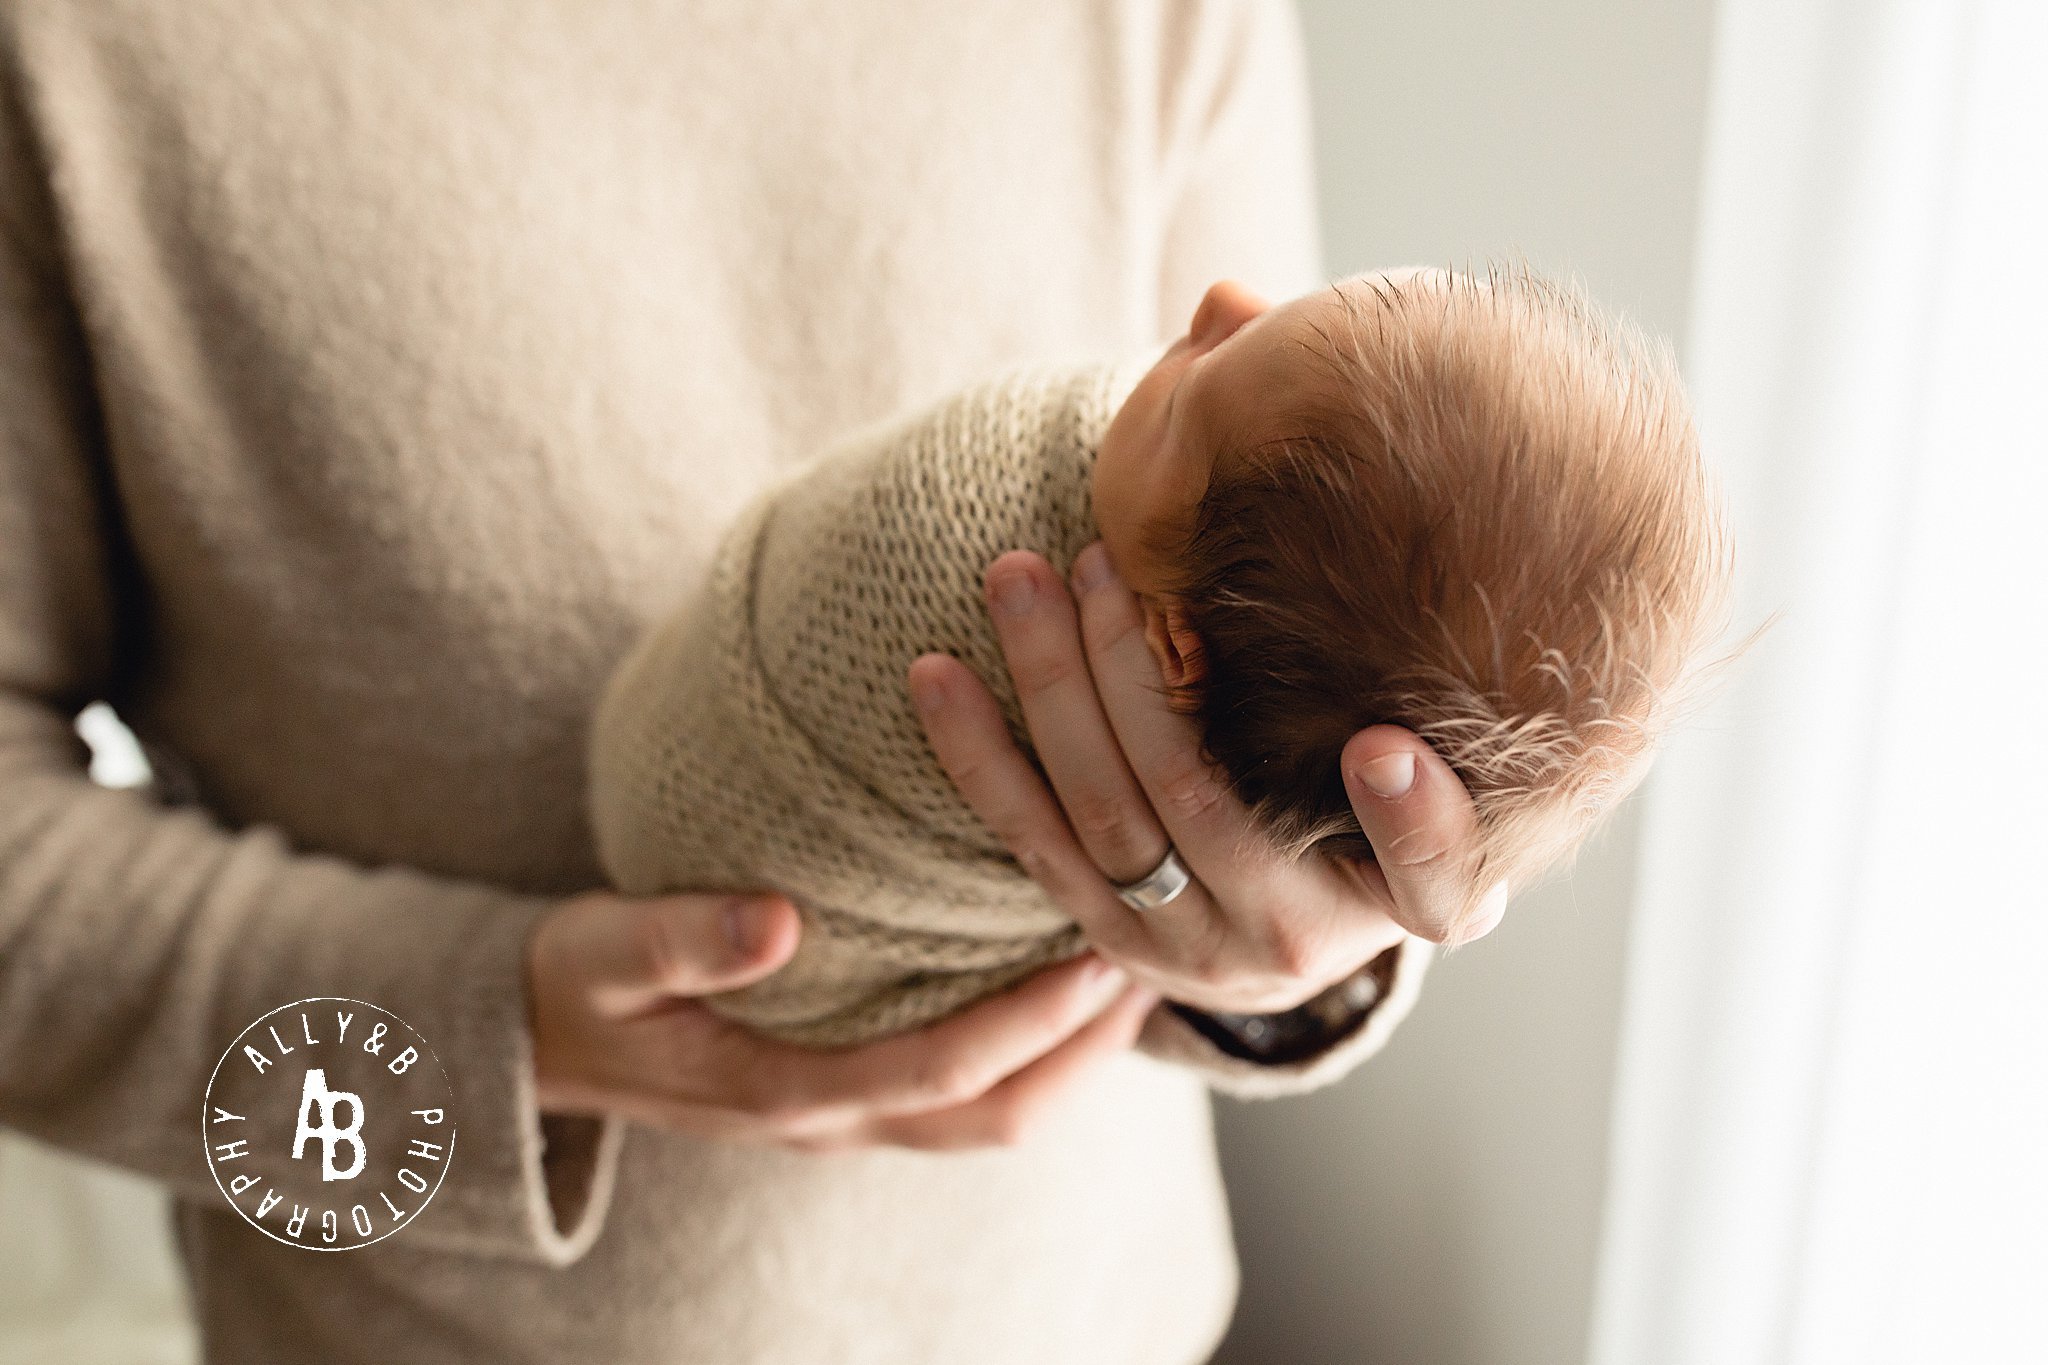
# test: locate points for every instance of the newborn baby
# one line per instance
(1471, 506)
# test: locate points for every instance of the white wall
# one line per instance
(1442, 1205)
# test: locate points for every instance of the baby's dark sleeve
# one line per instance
(1260, 1056)
(1306, 1031)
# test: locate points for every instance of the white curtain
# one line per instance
(1831, 1130)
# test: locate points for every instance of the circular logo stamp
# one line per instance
(328, 1124)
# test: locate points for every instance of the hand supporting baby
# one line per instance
(611, 982)
(1255, 933)
(611, 979)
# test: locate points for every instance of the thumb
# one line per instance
(1424, 833)
(687, 945)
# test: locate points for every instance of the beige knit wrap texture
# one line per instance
(762, 735)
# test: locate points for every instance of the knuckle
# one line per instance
(1294, 952)
(1018, 832)
(1096, 814)
(1289, 956)
(685, 1050)
(1123, 941)
(946, 1080)
(1107, 828)
(658, 945)
(1047, 872)
(748, 1097)
(1207, 956)
(1011, 819)
(1423, 850)
(768, 1097)
(1103, 629)
(967, 763)
(780, 1111)
(1052, 877)
(967, 747)
(1014, 823)
(1189, 789)
(1068, 881)
(1039, 670)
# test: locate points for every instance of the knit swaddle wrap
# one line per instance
(762, 736)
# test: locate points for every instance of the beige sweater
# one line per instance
(761, 735)
(371, 373)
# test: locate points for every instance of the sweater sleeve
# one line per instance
(138, 937)
(1237, 170)
(1238, 181)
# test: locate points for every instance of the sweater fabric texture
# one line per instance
(372, 375)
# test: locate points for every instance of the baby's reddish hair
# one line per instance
(1487, 522)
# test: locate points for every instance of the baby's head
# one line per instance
(1469, 505)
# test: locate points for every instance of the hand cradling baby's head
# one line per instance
(1472, 505)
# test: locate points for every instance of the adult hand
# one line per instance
(1254, 933)
(609, 987)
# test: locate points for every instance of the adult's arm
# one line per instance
(137, 938)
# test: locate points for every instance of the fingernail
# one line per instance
(744, 926)
(1487, 915)
(1389, 776)
(1092, 568)
(927, 694)
(1015, 593)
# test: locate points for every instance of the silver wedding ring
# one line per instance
(1158, 886)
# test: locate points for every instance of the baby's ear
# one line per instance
(1174, 643)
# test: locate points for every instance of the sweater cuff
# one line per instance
(521, 1185)
(1262, 1056)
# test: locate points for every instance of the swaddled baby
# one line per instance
(1469, 505)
